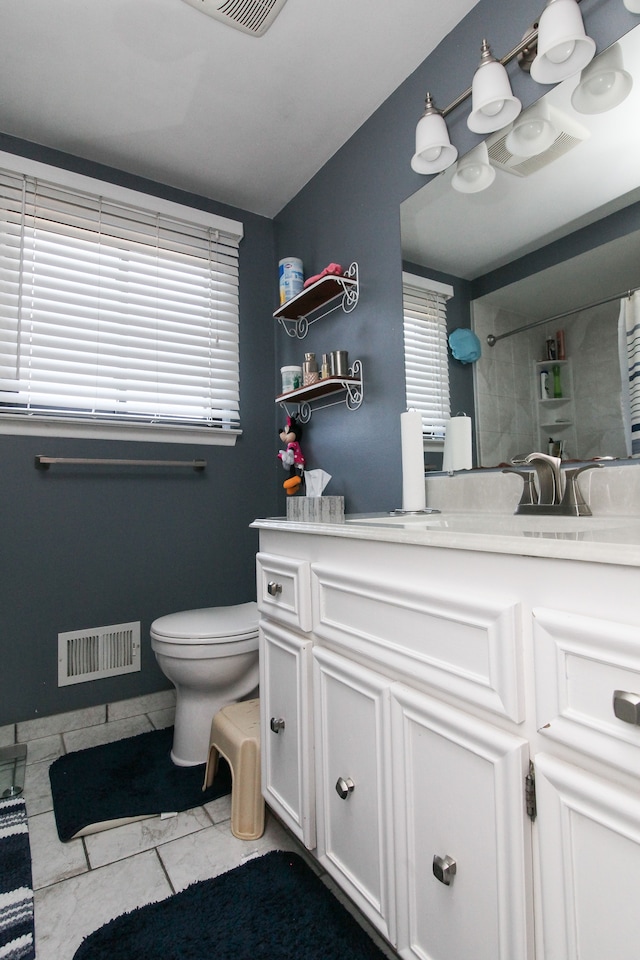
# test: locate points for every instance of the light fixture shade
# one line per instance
(434, 151)
(632, 5)
(474, 172)
(493, 104)
(563, 46)
(604, 83)
(533, 133)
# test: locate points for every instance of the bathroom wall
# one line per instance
(350, 211)
(82, 548)
(86, 549)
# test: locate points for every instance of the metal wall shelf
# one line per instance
(294, 314)
(322, 394)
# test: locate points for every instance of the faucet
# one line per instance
(551, 496)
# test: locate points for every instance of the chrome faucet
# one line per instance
(549, 496)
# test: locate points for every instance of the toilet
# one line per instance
(211, 657)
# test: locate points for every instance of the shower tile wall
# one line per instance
(506, 383)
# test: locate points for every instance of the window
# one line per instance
(425, 352)
(119, 309)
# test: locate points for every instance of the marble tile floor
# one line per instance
(80, 885)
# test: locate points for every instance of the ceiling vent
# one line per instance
(249, 16)
(568, 135)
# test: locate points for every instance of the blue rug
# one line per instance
(271, 908)
(135, 777)
(16, 886)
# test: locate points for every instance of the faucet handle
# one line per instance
(573, 502)
(529, 492)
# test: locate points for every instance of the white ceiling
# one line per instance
(157, 88)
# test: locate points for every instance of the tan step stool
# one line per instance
(235, 733)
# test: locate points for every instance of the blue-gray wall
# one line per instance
(86, 547)
(350, 211)
(81, 550)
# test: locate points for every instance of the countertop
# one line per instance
(605, 539)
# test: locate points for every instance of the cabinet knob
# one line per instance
(344, 787)
(273, 588)
(277, 725)
(626, 706)
(444, 869)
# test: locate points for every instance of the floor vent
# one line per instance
(101, 652)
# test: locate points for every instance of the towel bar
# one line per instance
(43, 463)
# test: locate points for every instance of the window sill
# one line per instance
(149, 433)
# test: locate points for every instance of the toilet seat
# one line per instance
(208, 625)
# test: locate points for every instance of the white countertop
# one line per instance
(604, 539)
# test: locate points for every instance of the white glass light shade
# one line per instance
(632, 5)
(434, 151)
(604, 83)
(493, 104)
(563, 46)
(533, 133)
(474, 172)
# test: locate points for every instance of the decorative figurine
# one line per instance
(292, 458)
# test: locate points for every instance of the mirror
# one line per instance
(553, 234)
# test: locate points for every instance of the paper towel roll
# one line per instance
(413, 490)
(457, 445)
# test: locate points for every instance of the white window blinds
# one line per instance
(113, 312)
(425, 352)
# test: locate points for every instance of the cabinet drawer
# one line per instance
(284, 590)
(469, 646)
(580, 662)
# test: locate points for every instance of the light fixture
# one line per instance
(563, 46)
(474, 172)
(604, 83)
(533, 133)
(493, 103)
(632, 5)
(434, 151)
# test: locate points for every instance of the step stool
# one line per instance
(235, 733)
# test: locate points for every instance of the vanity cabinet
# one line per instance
(354, 785)
(445, 684)
(587, 672)
(285, 692)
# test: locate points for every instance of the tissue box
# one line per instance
(316, 509)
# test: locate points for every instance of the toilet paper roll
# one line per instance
(413, 490)
(457, 445)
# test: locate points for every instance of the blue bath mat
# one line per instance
(135, 777)
(271, 908)
(16, 887)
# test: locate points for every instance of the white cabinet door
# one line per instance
(287, 746)
(355, 835)
(589, 843)
(459, 794)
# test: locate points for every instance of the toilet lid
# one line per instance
(210, 623)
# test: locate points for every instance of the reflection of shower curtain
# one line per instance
(629, 344)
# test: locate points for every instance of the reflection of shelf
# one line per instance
(321, 293)
(305, 397)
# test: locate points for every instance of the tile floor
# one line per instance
(82, 884)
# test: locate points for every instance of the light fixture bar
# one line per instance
(527, 41)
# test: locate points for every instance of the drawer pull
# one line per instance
(277, 725)
(344, 787)
(444, 869)
(626, 706)
(273, 588)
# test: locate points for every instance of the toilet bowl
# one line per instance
(211, 657)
